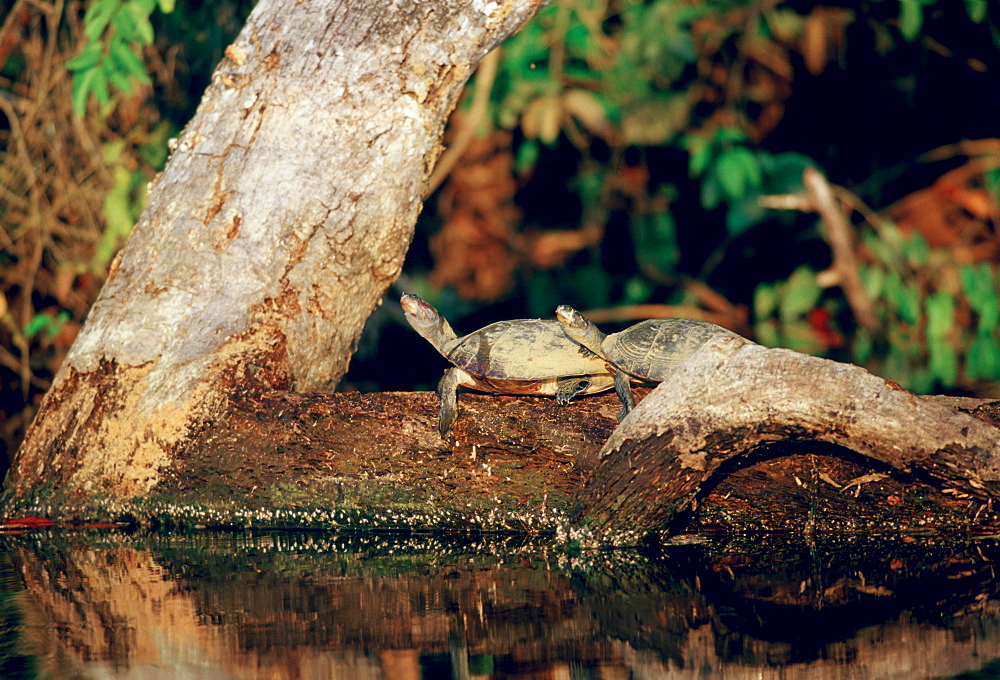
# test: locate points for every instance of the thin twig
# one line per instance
(839, 235)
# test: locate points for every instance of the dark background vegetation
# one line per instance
(620, 155)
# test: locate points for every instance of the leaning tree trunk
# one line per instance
(282, 216)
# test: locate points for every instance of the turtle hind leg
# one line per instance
(448, 392)
(569, 386)
(623, 389)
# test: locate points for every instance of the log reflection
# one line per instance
(318, 606)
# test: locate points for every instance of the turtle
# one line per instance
(646, 352)
(521, 356)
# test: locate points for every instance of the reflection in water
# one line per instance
(302, 606)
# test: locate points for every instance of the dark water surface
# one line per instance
(92, 604)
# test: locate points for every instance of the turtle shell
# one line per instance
(522, 349)
(650, 349)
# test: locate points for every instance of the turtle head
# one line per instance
(426, 320)
(580, 330)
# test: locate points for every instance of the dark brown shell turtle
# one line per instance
(523, 356)
(647, 351)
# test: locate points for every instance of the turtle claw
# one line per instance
(569, 387)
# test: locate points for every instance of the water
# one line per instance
(100, 604)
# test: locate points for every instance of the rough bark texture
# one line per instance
(284, 213)
(732, 398)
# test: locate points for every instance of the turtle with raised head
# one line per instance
(646, 352)
(523, 356)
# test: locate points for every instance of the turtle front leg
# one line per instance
(623, 388)
(570, 386)
(448, 392)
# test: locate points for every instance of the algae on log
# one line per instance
(733, 397)
(283, 214)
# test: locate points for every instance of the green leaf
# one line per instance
(125, 26)
(657, 240)
(82, 85)
(730, 135)
(711, 192)
(799, 296)
(982, 362)
(979, 286)
(944, 362)
(976, 10)
(37, 324)
(907, 302)
(126, 62)
(861, 347)
(700, 153)
(744, 214)
(916, 250)
(918, 380)
(637, 290)
(801, 337)
(99, 86)
(911, 18)
(167, 6)
(873, 280)
(527, 156)
(121, 82)
(119, 217)
(765, 301)
(784, 174)
(89, 56)
(97, 16)
(767, 333)
(940, 314)
(738, 172)
(140, 10)
(57, 323)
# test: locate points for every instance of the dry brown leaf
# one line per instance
(477, 249)
(586, 108)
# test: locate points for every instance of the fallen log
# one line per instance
(734, 398)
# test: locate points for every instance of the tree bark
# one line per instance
(732, 398)
(284, 213)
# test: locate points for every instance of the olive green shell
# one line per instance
(522, 349)
(650, 349)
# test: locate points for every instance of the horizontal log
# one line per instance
(525, 464)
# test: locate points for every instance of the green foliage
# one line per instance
(919, 296)
(47, 323)
(782, 310)
(114, 30)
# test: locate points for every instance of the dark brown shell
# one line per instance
(650, 349)
(522, 349)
